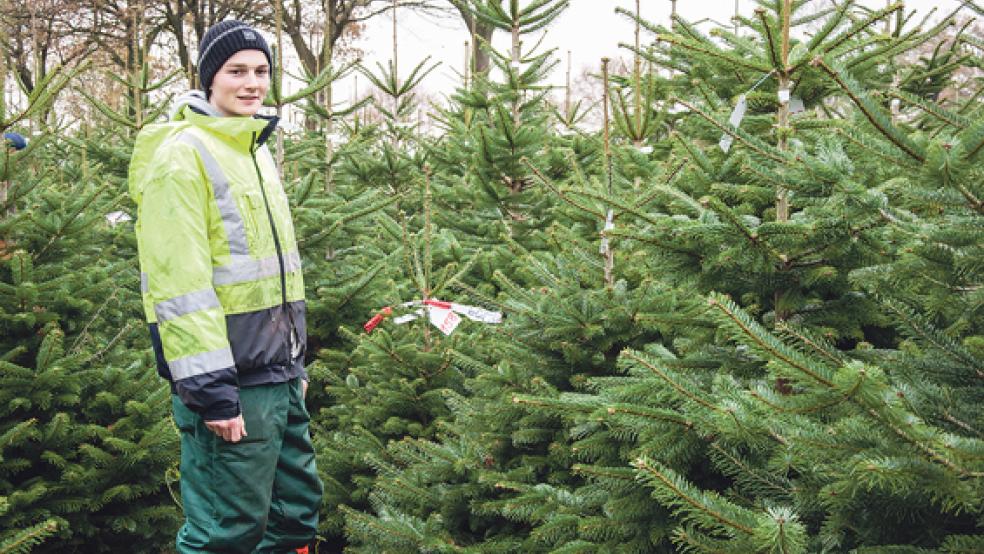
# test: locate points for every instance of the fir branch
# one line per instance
(560, 406)
(713, 52)
(71, 216)
(767, 342)
(750, 142)
(817, 345)
(126, 330)
(939, 341)
(974, 202)
(746, 470)
(861, 25)
(84, 333)
(315, 238)
(801, 410)
(930, 108)
(932, 454)
(770, 40)
(868, 109)
(699, 158)
(961, 424)
(704, 503)
(664, 188)
(597, 472)
(648, 239)
(624, 207)
(560, 194)
(638, 358)
(650, 413)
(752, 236)
(24, 541)
(875, 149)
(367, 278)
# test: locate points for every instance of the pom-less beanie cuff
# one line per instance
(221, 42)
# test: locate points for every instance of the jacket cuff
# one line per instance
(221, 412)
(213, 395)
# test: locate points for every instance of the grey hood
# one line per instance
(197, 101)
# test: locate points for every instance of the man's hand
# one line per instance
(304, 385)
(232, 430)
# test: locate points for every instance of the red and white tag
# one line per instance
(445, 320)
(443, 315)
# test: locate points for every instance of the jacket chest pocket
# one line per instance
(256, 222)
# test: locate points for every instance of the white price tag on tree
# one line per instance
(445, 320)
(735, 120)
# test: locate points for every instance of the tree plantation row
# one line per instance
(742, 313)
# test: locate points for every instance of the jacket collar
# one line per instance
(193, 108)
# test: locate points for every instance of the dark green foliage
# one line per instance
(87, 440)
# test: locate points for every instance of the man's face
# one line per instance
(240, 85)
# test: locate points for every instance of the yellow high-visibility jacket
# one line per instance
(220, 270)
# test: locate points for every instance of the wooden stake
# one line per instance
(395, 52)
(327, 52)
(637, 74)
(467, 67)
(279, 22)
(567, 87)
(609, 252)
(782, 195)
(604, 106)
(514, 65)
(428, 258)
(396, 74)
(136, 80)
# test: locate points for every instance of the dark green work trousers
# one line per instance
(258, 495)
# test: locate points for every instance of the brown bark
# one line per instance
(481, 34)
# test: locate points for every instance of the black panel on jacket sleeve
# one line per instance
(213, 395)
(155, 341)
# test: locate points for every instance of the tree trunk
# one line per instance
(481, 33)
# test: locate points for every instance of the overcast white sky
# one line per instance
(590, 29)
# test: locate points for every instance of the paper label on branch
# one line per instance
(407, 318)
(737, 115)
(115, 218)
(646, 149)
(783, 95)
(796, 105)
(445, 320)
(475, 313)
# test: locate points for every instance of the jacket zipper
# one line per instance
(280, 253)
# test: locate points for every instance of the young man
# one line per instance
(224, 297)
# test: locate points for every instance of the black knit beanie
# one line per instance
(221, 42)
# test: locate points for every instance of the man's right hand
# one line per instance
(231, 430)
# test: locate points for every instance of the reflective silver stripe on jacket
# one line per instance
(198, 364)
(144, 282)
(231, 218)
(186, 304)
(254, 270)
